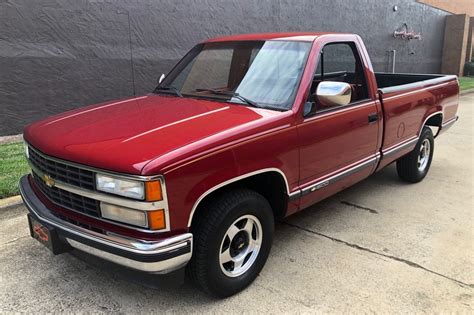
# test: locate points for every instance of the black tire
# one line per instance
(209, 232)
(408, 167)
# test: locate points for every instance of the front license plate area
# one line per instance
(47, 236)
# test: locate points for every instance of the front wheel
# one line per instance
(414, 166)
(232, 241)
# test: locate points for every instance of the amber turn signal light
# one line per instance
(156, 219)
(153, 191)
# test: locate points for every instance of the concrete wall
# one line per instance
(59, 55)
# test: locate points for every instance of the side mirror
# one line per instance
(330, 94)
(161, 78)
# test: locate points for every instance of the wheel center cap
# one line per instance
(239, 243)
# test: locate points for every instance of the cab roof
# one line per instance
(298, 36)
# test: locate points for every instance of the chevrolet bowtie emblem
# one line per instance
(48, 180)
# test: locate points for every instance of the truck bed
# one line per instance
(397, 82)
(411, 101)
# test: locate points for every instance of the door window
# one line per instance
(340, 62)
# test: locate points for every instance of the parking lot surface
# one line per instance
(380, 246)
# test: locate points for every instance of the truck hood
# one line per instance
(123, 136)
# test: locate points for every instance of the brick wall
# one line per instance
(453, 6)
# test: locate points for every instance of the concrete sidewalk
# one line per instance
(380, 246)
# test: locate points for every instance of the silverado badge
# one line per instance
(48, 180)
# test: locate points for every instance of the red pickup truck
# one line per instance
(244, 130)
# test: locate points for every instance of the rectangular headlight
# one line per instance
(124, 187)
(122, 214)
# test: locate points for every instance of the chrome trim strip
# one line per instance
(427, 118)
(127, 244)
(449, 122)
(399, 147)
(341, 175)
(294, 194)
(159, 267)
(227, 182)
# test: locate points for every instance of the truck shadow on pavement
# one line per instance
(176, 284)
(308, 250)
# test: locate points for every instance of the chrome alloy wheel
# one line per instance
(240, 246)
(424, 154)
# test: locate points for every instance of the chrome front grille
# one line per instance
(69, 200)
(68, 174)
(65, 173)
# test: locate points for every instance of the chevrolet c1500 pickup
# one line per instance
(243, 131)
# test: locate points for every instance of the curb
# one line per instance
(11, 201)
(469, 91)
(10, 139)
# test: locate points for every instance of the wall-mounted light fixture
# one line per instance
(403, 33)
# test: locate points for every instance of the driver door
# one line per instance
(338, 144)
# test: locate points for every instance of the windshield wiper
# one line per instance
(169, 88)
(233, 94)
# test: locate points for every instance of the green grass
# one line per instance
(466, 83)
(13, 165)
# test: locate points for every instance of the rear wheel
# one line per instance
(232, 240)
(414, 166)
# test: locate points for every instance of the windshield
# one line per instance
(254, 73)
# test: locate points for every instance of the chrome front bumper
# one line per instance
(149, 256)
